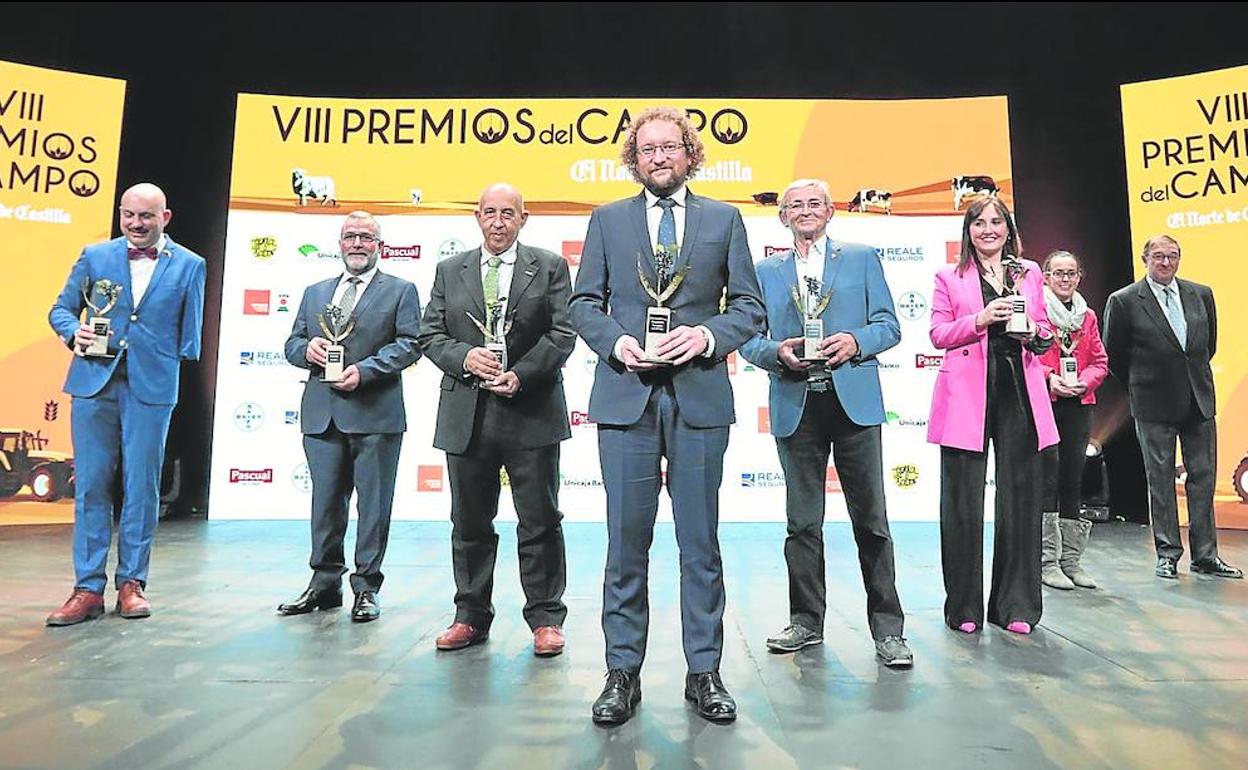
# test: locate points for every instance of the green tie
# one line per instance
(490, 284)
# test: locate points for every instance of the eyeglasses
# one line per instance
(366, 238)
(668, 148)
(1065, 275)
(813, 207)
(1171, 258)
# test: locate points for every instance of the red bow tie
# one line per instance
(148, 253)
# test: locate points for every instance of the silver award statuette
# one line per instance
(1067, 365)
(494, 330)
(1014, 272)
(810, 306)
(100, 324)
(335, 325)
(659, 318)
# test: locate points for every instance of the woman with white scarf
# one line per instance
(1074, 369)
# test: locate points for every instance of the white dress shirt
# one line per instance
(1159, 291)
(505, 271)
(365, 279)
(141, 270)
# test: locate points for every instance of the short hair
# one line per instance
(1148, 245)
(688, 136)
(799, 183)
(364, 216)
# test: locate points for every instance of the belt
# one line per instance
(819, 386)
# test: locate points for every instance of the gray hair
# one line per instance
(799, 183)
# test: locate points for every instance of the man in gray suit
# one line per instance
(678, 406)
(833, 406)
(1161, 333)
(353, 428)
(492, 416)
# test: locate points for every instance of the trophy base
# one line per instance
(100, 356)
(656, 361)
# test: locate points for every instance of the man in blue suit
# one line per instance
(122, 402)
(353, 428)
(838, 405)
(678, 407)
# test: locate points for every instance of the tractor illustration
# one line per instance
(26, 462)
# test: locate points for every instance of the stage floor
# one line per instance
(1143, 673)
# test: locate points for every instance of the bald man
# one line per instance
(502, 414)
(122, 400)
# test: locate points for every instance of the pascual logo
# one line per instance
(261, 358)
(400, 252)
(901, 253)
(572, 252)
(772, 250)
(428, 478)
(922, 361)
(759, 479)
(301, 478)
(241, 476)
(912, 305)
(450, 247)
(312, 251)
(248, 417)
(255, 301)
(905, 475)
(263, 247)
(729, 126)
(579, 419)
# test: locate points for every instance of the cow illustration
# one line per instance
(965, 187)
(321, 187)
(879, 200)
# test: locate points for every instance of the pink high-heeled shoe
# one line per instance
(969, 627)
(1019, 627)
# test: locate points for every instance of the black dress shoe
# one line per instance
(708, 693)
(619, 697)
(1217, 568)
(365, 608)
(1167, 568)
(311, 600)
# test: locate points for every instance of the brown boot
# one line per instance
(131, 603)
(81, 605)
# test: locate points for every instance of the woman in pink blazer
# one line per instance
(991, 386)
(1075, 330)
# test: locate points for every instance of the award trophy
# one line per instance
(659, 318)
(810, 306)
(100, 324)
(1067, 366)
(336, 326)
(494, 330)
(1014, 272)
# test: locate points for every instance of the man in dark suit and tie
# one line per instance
(493, 416)
(676, 403)
(834, 406)
(1160, 334)
(353, 428)
(123, 400)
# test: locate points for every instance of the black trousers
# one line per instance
(475, 486)
(1063, 463)
(1015, 593)
(1199, 439)
(858, 457)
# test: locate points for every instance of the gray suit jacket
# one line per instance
(1161, 377)
(609, 302)
(540, 341)
(383, 344)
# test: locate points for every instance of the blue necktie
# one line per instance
(1174, 314)
(667, 227)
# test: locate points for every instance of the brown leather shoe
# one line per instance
(81, 605)
(459, 636)
(547, 641)
(131, 603)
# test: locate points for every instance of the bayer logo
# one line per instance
(912, 305)
(248, 417)
(301, 478)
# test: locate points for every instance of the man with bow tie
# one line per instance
(123, 401)
(829, 406)
(509, 413)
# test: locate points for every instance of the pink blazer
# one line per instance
(959, 401)
(1089, 353)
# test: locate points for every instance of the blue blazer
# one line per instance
(861, 304)
(609, 302)
(156, 336)
(382, 344)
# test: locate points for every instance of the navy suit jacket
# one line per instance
(382, 345)
(155, 337)
(861, 304)
(609, 302)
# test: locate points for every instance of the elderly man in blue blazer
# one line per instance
(673, 402)
(123, 399)
(830, 404)
(353, 428)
